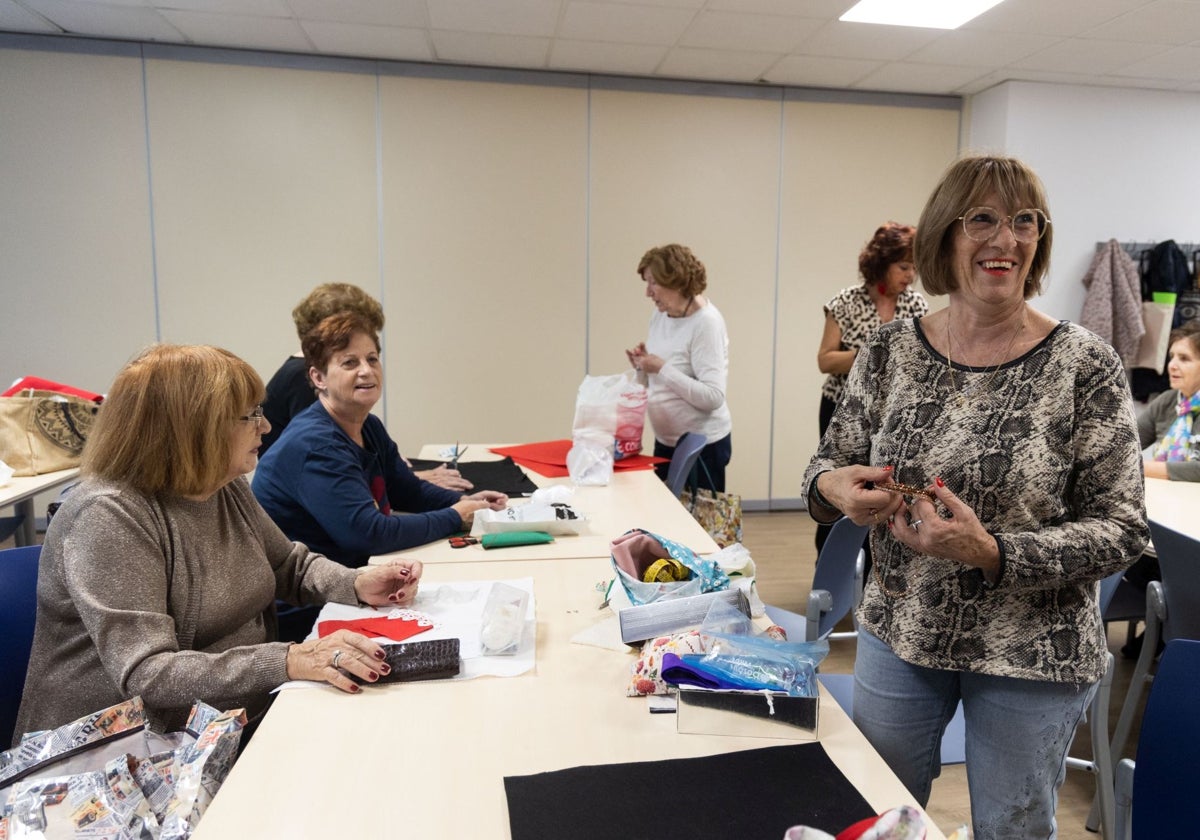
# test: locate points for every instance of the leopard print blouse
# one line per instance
(1045, 451)
(858, 320)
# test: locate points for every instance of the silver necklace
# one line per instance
(997, 363)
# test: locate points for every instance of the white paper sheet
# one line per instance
(456, 610)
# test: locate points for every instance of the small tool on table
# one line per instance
(462, 542)
(457, 454)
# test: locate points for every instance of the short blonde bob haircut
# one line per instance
(332, 298)
(166, 425)
(675, 267)
(967, 183)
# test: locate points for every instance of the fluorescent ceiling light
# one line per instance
(930, 14)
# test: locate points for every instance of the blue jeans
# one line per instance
(1018, 733)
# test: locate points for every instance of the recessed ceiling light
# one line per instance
(930, 14)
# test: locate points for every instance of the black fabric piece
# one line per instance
(502, 476)
(751, 795)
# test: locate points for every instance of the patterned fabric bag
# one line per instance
(720, 514)
(44, 431)
(652, 568)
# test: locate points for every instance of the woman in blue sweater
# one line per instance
(334, 478)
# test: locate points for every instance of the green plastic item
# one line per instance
(511, 538)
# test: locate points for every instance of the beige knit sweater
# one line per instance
(170, 599)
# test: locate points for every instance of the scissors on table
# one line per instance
(462, 542)
(457, 454)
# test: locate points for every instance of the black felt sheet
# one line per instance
(503, 476)
(751, 795)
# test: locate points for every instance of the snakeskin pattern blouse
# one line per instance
(1045, 451)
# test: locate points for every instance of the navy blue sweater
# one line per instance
(317, 483)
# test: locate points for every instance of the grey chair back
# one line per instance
(687, 452)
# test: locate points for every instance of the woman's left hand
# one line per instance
(495, 500)
(443, 476)
(389, 584)
(956, 535)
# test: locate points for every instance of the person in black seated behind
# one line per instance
(289, 391)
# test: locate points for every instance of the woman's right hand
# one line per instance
(332, 658)
(635, 354)
(466, 507)
(846, 489)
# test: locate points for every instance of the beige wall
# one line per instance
(499, 217)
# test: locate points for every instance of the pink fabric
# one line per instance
(635, 551)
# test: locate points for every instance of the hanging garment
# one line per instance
(1112, 307)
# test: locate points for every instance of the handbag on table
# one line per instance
(44, 431)
(720, 513)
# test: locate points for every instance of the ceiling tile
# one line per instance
(1164, 22)
(919, 78)
(495, 50)
(1059, 17)
(1179, 63)
(255, 8)
(387, 42)
(674, 4)
(106, 21)
(14, 18)
(257, 33)
(379, 12)
(973, 48)
(867, 41)
(762, 33)
(511, 17)
(816, 9)
(622, 24)
(813, 71)
(718, 65)
(1079, 55)
(595, 57)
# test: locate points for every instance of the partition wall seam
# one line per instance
(775, 307)
(150, 195)
(379, 228)
(587, 237)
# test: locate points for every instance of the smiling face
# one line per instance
(351, 381)
(993, 271)
(671, 301)
(1184, 367)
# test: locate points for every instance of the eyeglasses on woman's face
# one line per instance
(982, 223)
(255, 416)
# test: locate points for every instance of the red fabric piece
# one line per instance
(39, 384)
(396, 629)
(857, 830)
(549, 458)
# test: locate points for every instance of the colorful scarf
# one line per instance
(1176, 445)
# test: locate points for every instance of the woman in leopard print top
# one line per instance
(1021, 430)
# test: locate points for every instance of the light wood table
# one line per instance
(429, 759)
(633, 499)
(1175, 504)
(19, 492)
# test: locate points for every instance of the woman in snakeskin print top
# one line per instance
(1018, 431)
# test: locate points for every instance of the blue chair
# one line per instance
(9, 525)
(1156, 796)
(837, 588)
(683, 461)
(18, 611)
(1172, 612)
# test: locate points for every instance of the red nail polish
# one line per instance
(939, 482)
(372, 676)
(889, 468)
(355, 688)
(385, 668)
(380, 654)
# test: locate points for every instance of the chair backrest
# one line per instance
(18, 609)
(1178, 559)
(687, 451)
(1168, 762)
(838, 573)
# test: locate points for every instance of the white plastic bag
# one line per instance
(590, 458)
(616, 406)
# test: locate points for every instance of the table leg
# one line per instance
(27, 533)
